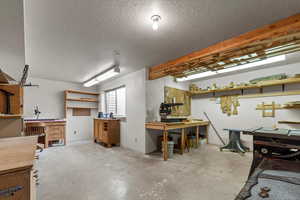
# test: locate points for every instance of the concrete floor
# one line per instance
(88, 171)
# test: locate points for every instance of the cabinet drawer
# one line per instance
(17, 183)
(55, 132)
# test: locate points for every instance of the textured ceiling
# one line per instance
(73, 40)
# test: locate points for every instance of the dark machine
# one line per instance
(166, 109)
(275, 170)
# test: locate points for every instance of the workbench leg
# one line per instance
(65, 138)
(182, 141)
(165, 153)
(197, 136)
(206, 134)
(46, 141)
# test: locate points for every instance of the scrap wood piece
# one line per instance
(5, 78)
(229, 102)
(268, 106)
(266, 109)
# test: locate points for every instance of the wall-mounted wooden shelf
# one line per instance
(83, 100)
(82, 92)
(288, 122)
(82, 109)
(10, 116)
(78, 107)
(254, 86)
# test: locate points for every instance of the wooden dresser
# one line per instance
(55, 130)
(107, 131)
(16, 162)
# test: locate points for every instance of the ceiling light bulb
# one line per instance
(155, 22)
(155, 26)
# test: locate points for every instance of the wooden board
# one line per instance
(256, 41)
(83, 100)
(82, 92)
(173, 95)
(258, 86)
(288, 122)
(81, 112)
(174, 125)
(17, 152)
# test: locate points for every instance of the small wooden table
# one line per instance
(55, 129)
(166, 127)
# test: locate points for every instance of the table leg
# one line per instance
(165, 153)
(206, 134)
(46, 141)
(197, 136)
(65, 139)
(182, 140)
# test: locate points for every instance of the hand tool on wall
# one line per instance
(24, 78)
(214, 128)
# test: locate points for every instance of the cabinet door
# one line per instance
(101, 130)
(105, 131)
(96, 129)
(17, 184)
(55, 132)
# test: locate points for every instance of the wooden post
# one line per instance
(197, 136)
(182, 140)
(165, 153)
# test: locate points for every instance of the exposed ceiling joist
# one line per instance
(278, 33)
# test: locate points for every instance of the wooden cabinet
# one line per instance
(56, 131)
(15, 99)
(107, 131)
(16, 161)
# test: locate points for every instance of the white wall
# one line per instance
(154, 97)
(12, 53)
(248, 117)
(133, 128)
(49, 96)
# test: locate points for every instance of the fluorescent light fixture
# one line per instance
(107, 74)
(195, 76)
(231, 69)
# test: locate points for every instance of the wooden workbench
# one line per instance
(16, 161)
(55, 129)
(166, 127)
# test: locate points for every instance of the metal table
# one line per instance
(235, 144)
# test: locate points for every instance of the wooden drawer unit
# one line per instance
(15, 185)
(107, 131)
(16, 162)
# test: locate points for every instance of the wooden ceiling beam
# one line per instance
(282, 27)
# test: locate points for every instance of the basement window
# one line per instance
(115, 101)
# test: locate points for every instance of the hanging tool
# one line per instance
(24, 78)
(214, 128)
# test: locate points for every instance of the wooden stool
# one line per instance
(39, 129)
